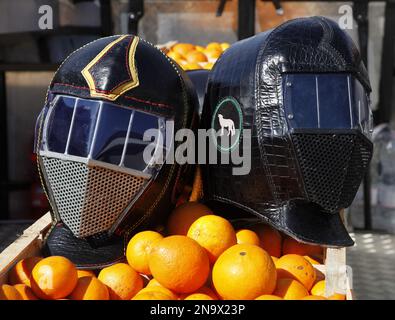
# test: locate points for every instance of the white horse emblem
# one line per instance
(228, 124)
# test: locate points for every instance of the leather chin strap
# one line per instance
(84, 253)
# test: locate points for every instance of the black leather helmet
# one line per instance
(100, 180)
(302, 92)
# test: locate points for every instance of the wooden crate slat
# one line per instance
(27, 245)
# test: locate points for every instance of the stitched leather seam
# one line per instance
(126, 97)
(325, 41)
(149, 102)
(257, 118)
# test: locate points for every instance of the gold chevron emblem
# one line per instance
(119, 90)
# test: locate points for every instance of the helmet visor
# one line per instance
(326, 101)
(104, 133)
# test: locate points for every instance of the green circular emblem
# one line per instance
(227, 122)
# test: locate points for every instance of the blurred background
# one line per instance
(36, 35)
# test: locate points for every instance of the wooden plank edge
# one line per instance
(28, 244)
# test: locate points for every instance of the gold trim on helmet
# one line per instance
(118, 91)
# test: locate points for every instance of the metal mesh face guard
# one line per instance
(330, 180)
(89, 200)
(329, 121)
(93, 160)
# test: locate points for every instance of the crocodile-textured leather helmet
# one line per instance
(302, 92)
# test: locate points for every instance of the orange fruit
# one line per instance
(268, 297)
(21, 272)
(25, 291)
(208, 66)
(192, 66)
(203, 290)
(225, 46)
(198, 296)
(164, 290)
(175, 55)
(212, 54)
(90, 288)
(122, 281)
(184, 215)
(152, 295)
(85, 273)
(53, 278)
(183, 48)
(8, 292)
(214, 46)
(245, 236)
(181, 63)
(314, 298)
(153, 283)
(199, 48)
(179, 263)
(338, 296)
(270, 239)
(213, 233)
(139, 248)
(290, 289)
(292, 246)
(195, 57)
(156, 286)
(318, 289)
(244, 272)
(296, 267)
(207, 291)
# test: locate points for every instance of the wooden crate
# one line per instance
(31, 241)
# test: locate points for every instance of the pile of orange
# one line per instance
(200, 256)
(192, 57)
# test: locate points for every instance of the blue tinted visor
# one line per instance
(104, 133)
(326, 101)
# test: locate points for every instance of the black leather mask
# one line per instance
(303, 91)
(90, 145)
